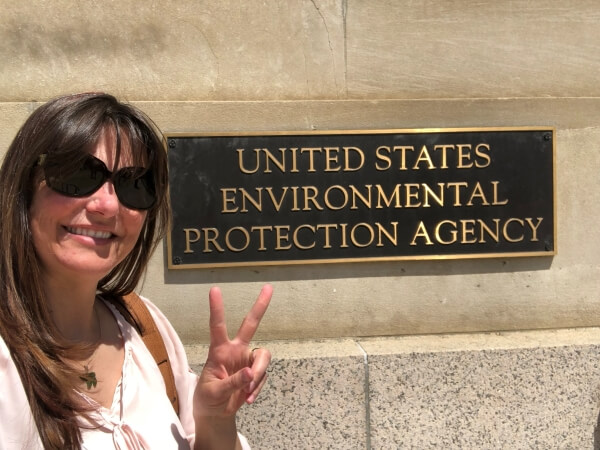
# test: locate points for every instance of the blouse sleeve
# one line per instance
(185, 378)
(17, 427)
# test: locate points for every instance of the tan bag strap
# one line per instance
(135, 311)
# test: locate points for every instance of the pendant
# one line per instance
(89, 378)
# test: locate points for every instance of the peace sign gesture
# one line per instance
(233, 374)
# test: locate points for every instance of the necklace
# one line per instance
(89, 377)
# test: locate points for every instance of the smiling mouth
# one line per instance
(90, 233)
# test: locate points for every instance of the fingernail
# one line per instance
(247, 376)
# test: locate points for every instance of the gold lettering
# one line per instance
(505, 230)
(457, 186)
(392, 237)
(354, 231)
(408, 187)
(347, 151)
(297, 242)
(245, 234)
(327, 227)
(311, 156)
(483, 227)
(421, 233)
(311, 198)
(256, 202)
(429, 192)
(211, 240)
(277, 204)
(295, 197)
(478, 193)
(281, 235)
(403, 149)
(424, 156)
(240, 152)
(464, 156)
(227, 200)
(388, 201)
(327, 198)
(271, 157)
(482, 151)
(329, 159)
(294, 159)
(468, 229)
(496, 201)
(261, 235)
(383, 158)
(189, 241)
(344, 244)
(356, 194)
(443, 148)
(477, 231)
(453, 232)
(533, 227)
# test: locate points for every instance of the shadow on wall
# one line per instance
(339, 270)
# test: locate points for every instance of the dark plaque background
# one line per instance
(200, 165)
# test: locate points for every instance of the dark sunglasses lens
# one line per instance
(85, 180)
(135, 187)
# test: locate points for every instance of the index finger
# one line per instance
(255, 315)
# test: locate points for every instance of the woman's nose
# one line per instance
(104, 201)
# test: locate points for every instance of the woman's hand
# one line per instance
(233, 373)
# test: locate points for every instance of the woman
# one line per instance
(83, 198)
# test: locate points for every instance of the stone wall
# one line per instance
(346, 372)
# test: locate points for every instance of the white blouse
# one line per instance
(141, 415)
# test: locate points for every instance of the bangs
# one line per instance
(133, 143)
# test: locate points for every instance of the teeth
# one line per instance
(90, 233)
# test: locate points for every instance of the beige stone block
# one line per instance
(291, 50)
(314, 397)
(517, 390)
(172, 50)
(562, 113)
(12, 116)
(491, 49)
(484, 391)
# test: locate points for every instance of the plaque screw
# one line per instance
(177, 260)
(548, 246)
(547, 136)
(172, 143)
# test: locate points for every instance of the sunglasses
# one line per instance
(134, 186)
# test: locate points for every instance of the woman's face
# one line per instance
(85, 238)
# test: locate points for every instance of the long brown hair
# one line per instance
(65, 129)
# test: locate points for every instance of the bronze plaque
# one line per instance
(339, 196)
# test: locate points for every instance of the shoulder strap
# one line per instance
(135, 311)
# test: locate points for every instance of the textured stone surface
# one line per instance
(172, 50)
(12, 116)
(291, 50)
(526, 398)
(314, 397)
(519, 390)
(449, 49)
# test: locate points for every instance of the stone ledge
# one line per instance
(530, 389)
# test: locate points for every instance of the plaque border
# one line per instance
(550, 253)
